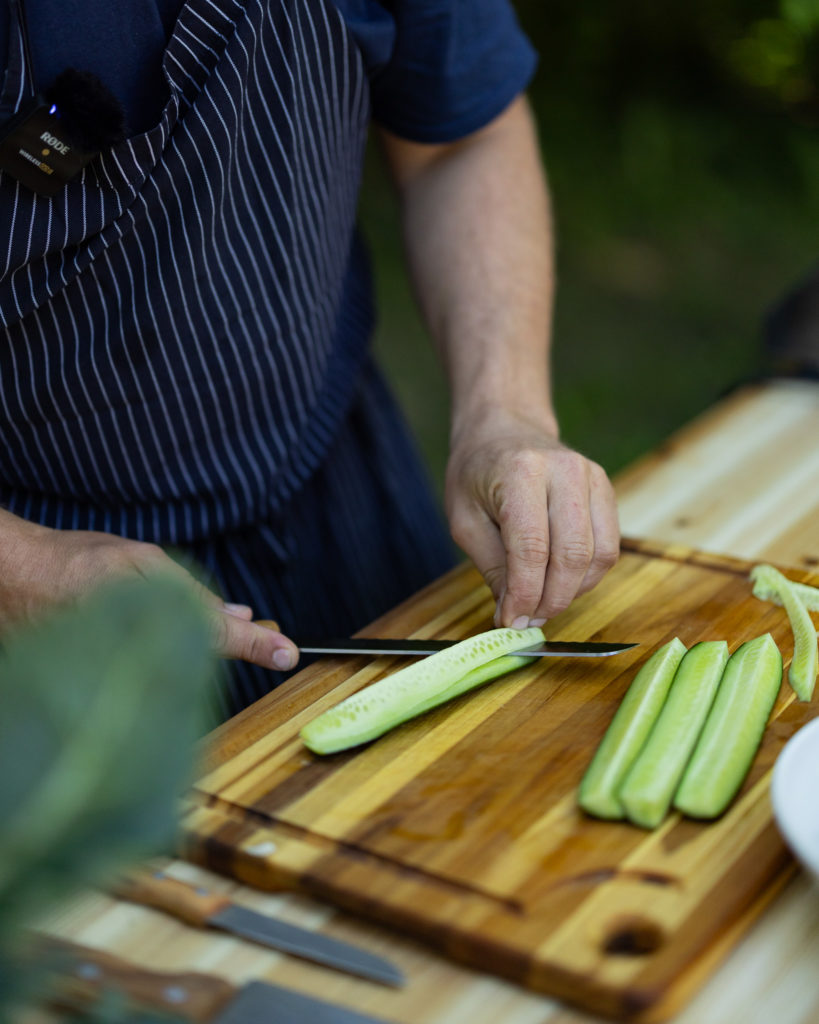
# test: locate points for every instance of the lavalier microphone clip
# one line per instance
(53, 136)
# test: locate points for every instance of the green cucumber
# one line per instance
(628, 731)
(805, 661)
(650, 784)
(733, 729)
(420, 686)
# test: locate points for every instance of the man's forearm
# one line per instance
(538, 519)
(478, 236)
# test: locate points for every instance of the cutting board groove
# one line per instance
(461, 826)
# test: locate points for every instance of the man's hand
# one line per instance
(42, 568)
(538, 519)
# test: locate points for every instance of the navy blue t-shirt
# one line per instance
(438, 69)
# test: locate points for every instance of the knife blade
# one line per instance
(85, 974)
(416, 648)
(202, 909)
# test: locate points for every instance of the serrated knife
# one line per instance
(203, 909)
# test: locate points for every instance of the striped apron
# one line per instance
(185, 353)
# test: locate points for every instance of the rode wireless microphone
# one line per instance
(53, 136)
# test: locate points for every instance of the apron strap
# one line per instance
(18, 72)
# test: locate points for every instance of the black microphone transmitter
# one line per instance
(35, 149)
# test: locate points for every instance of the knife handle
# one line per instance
(85, 974)
(268, 624)
(191, 904)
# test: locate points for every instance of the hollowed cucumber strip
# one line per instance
(420, 686)
(650, 784)
(805, 662)
(765, 591)
(733, 729)
(628, 731)
(476, 677)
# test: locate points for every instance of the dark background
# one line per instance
(682, 150)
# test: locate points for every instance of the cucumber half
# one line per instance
(805, 662)
(649, 786)
(733, 729)
(628, 731)
(420, 686)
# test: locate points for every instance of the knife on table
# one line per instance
(202, 909)
(416, 648)
(86, 974)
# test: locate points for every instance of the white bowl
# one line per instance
(795, 795)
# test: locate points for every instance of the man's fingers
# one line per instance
(585, 536)
(478, 536)
(605, 527)
(236, 637)
(234, 633)
(523, 518)
(572, 536)
(242, 611)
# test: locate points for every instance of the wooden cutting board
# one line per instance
(461, 827)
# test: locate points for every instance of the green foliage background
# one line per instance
(682, 147)
(101, 706)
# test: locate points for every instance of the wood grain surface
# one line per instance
(461, 827)
(741, 479)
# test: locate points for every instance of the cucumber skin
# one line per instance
(649, 786)
(414, 689)
(732, 732)
(803, 682)
(628, 731)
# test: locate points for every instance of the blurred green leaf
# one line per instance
(802, 14)
(100, 710)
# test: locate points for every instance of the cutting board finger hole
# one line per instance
(633, 936)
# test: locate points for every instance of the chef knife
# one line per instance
(85, 974)
(415, 648)
(202, 909)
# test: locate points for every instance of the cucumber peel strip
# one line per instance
(649, 786)
(418, 687)
(628, 732)
(733, 730)
(765, 591)
(805, 662)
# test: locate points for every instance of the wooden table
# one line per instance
(743, 479)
